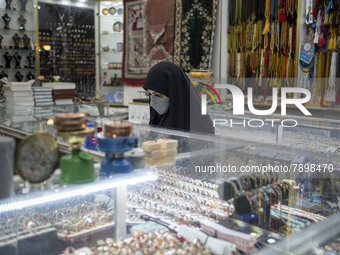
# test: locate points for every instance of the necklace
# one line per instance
(61, 16)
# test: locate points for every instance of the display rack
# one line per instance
(110, 52)
(66, 37)
(17, 40)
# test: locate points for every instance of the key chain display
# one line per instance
(262, 43)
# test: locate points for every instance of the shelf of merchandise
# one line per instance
(7, 44)
(109, 38)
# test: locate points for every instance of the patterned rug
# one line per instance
(134, 71)
(194, 33)
(158, 31)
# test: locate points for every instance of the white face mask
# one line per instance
(161, 105)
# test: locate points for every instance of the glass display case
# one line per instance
(270, 192)
(322, 238)
(48, 220)
(311, 134)
(97, 114)
(67, 45)
(273, 192)
(110, 19)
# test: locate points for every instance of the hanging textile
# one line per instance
(134, 69)
(158, 31)
(194, 32)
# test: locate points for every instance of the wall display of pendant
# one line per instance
(67, 42)
(111, 51)
(262, 41)
(17, 40)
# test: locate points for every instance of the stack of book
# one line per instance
(43, 96)
(19, 101)
(63, 92)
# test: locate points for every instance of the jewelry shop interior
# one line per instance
(169, 127)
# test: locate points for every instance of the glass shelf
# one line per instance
(113, 34)
(7, 48)
(113, 17)
(36, 198)
(16, 11)
(18, 30)
(16, 68)
(112, 52)
(118, 87)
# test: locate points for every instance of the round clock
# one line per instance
(37, 157)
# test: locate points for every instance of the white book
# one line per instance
(19, 103)
(19, 119)
(18, 107)
(43, 111)
(43, 93)
(43, 96)
(43, 100)
(16, 88)
(40, 108)
(42, 89)
(18, 93)
(42, 115)
(44, 103)
(19, 84)
(19, 111)
(59, 85)
(63, 101)
(19, 98)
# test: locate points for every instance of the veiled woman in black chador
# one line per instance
(174, 103)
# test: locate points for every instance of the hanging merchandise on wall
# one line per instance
(158, 31)
(194, 33)
(66, 37)
(321, 73)
(17, 41)
(262, 44)
(183, 34)
(134, 71)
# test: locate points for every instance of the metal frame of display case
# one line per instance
(302, 243)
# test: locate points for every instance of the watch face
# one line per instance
(36, 157)
(112, 11)
(117, 26)
(105, 11)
